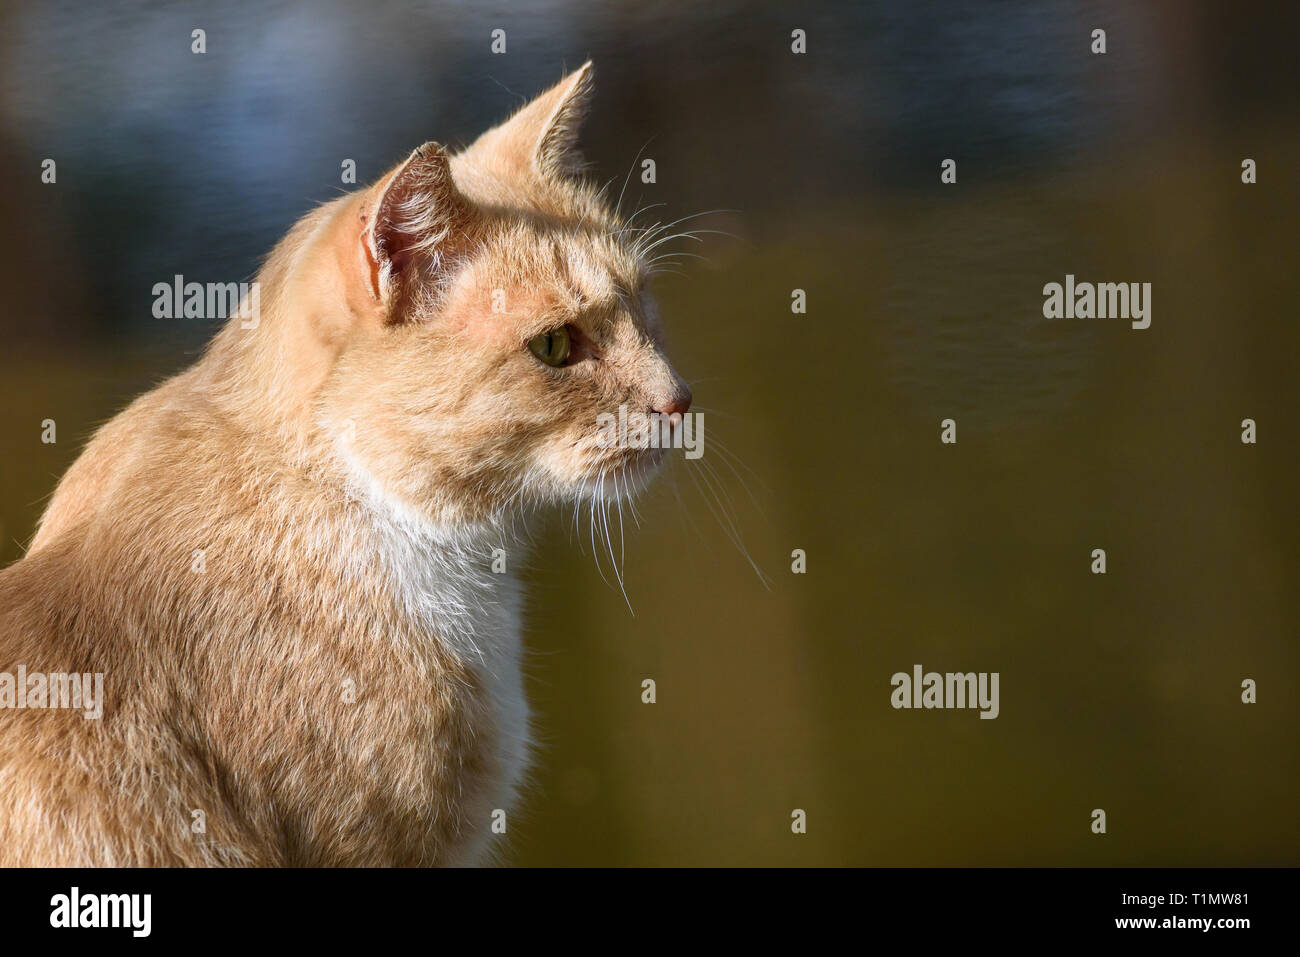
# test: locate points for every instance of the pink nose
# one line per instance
(678, 404)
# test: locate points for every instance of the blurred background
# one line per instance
(1119, 692)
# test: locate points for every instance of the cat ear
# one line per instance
(542, 137)
(409, 222)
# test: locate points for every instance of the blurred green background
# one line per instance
(1119, 692)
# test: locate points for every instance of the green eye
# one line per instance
(551, 347)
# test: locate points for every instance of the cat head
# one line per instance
(481, 312)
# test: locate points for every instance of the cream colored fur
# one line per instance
(281, 559)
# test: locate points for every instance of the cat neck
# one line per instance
(453, 578)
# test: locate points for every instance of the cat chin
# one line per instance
(622, 479)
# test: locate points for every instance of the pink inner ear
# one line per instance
(390, 241)
(390, 244)
(386, 239)
(417, 210)
(398, 258)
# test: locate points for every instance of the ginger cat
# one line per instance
(281, 559)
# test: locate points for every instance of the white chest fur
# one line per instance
(447, 588)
